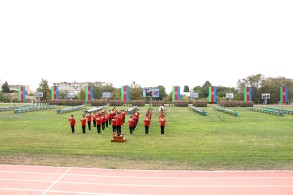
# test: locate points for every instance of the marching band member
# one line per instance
(72, 123)
(83, 123)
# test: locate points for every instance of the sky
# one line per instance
(153, 42)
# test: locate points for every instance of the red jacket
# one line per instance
(83, 121)
(98, 121)
(72, 121)
(131, 122)
(114, 122)
(146, 121)
(89, 117)
(162, 121)
(119, 121)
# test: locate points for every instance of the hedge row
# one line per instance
(116, 103)
(158, 103)
(137, 102)
(235, 104)
(200, 103)
(181, 103)
(65, 102)
(98, 102)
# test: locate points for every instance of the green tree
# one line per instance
(97, 91)
(204, 92)
(162, 92)
(272, 86)
(254, 81)
(81, 95)
(44, 87)
(5, 88)
(135, 91)
(186, 88)
(116, 94)
(4, 98)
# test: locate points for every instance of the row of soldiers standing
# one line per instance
(103, 119)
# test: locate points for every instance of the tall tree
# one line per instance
(205, 90)
(254, 81)
(162, 92)
(135, 91)
(116, 94)
(186, 88)
(81, 95)
(44, 87)
(5, 88)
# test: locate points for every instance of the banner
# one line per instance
(54, 93)
(212, 94)
(150, 92)
(247, 94)
(284, 94)
(89, 93)
(175, 93)
(21, 93)
(125, 93)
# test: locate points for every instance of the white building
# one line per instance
(76, 87)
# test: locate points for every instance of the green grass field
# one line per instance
(252, 141)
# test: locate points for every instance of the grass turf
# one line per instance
(219, 141)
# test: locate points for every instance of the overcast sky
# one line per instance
(151, 42)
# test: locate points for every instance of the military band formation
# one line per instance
(102, 119)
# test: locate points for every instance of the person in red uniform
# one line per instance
(131, 123)
(72, 123)
(110, 116)
(147, 123)
(123, 113)
(89, 118)
(98, 124)
(119, 123)
(102, 117)
(95, 115)
(162, 121)
(114, 120)
(83, 123)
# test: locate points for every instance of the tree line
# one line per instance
(258, 82)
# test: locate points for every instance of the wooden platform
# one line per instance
(118, 138)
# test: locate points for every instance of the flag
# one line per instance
(89, 94)
(54, 93)
(212, 94)
(175, 93)
(125, 93)
(247, 94)
(21, 93)
(284, 94)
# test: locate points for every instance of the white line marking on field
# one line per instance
(183, 186)
(174, 171)
(56, 181)
(94, 193)
(156, 177)
(21, 189)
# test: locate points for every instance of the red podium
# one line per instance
(118, 137)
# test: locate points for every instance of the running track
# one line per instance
(35, 180)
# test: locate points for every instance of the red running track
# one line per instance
(36, 180)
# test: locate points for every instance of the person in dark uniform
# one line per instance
(72, 123)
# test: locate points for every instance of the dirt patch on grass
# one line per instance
(92, 162)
